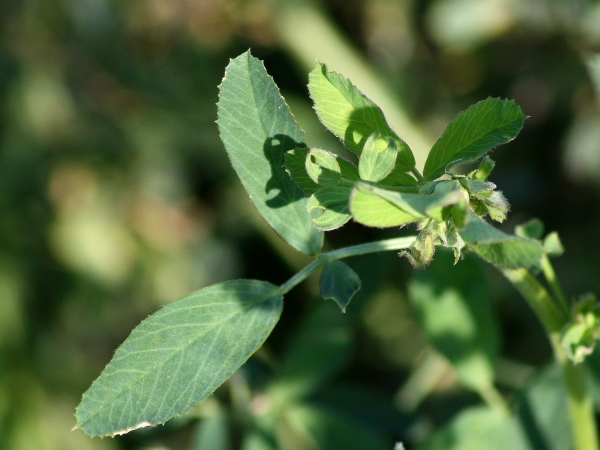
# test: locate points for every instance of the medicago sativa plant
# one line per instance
(178, 356)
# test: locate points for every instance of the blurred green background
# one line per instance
(116, 197)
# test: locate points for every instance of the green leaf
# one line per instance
(339, 283)
(372, 210)
(350, 115)
(322, 167)
(503, 250)
(553, 245)
(473, 133)
(179, 355)
(532, 229)
(213, 432)
(257, 129)
(454, 306)
(399, 178)
(486, 166)
(367, 207)
(377, 163)
(478, 428)
(333, 200)
(319, 349)
(295, 165)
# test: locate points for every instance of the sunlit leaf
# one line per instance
(180, 355)
(372, 210)
(375, 206)
(339, 283)
(473, 133)
(322, 167)
(375, 164)
(257, 129)
(350, 115)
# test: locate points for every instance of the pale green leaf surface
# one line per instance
(375, 164)
(257, 129)
(322, 167)
(494, 246)
(418, 205)
(372, 210)
(453, 303)
(473, 133)
(180, 355)
(333, 201)
(350, 115)
(339, 283)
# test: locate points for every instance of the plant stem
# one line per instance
(361, 249)
(583, 423)
(550, 276)
(417, 175)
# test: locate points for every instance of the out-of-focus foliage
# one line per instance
(116, 197)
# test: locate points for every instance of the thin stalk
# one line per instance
(552, 280)
(355, 250)
(417, 175)
(583, 423)
(494, 399)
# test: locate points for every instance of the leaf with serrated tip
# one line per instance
(257, 129)
(350, 115)
(473, 133)
(179, 355)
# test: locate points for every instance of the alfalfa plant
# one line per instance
(179, 355)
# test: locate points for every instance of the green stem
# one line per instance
(362, 249)
(418, 175)
(583, 423)
(550, 276)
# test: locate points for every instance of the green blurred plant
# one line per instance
(180, 355)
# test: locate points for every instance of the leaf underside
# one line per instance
(257, 130)
(501, 249)
(178, 356)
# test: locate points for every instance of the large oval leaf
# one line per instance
(257, 130)
(350, 115)
(473, 133)
(179, 356)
